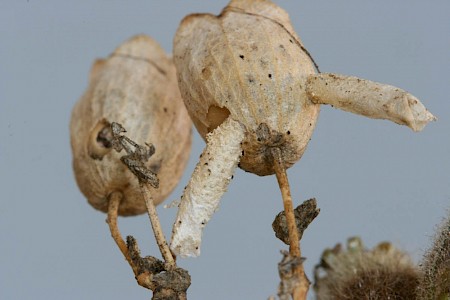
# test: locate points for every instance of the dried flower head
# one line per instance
(135, 86)
(382, 273)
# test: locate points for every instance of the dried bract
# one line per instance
(135, 86)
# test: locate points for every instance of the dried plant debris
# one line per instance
(305, 213)
(137, 155)
(381, 273)
(166, 281)
(246, 75)
(135, 86)
(287, 272)
(435, 266)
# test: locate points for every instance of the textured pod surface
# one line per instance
(371, 99)
(135, 86)
(249, 64)
(208, 183)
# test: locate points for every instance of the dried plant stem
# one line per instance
(156, 225)
(113, 208)
(301, 290)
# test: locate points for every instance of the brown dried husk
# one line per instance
(250, 65)
(135, 86)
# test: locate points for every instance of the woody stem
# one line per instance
(156, 225)
(301, 290)
(113, 209)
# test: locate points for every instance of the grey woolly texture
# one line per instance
(435, 266)
(382, 273)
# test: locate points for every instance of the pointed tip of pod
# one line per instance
(420, 115)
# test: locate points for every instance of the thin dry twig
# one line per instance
(156, 225)
(166, 280)
(113, 209)
(300, 290)
(135, 160)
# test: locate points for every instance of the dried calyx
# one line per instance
(135, 86)
(251, 87)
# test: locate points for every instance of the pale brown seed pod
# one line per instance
(248, 66)
(135, 86)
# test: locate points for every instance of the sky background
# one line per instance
(371, 178)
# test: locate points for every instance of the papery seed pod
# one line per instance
(383, 272)
(248, 65)
(135, 86)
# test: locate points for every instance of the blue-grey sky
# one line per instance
(371, 178)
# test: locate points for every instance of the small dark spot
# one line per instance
(239, 165)
(242, 152)
(155, 167)
(260, 84)
(104, 137)
(291, 41)
(179, 222)
(310, 124)
(258, 139)
(201, 155)
(270, 75)
(282, 47)
(165, 109)
(241, 56)
(232, 176)
(203, 223)
(288, 132)
(206, 163)
(196, 248)
(251, 79)
(326, 83)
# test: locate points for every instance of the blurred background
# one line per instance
(371, 178)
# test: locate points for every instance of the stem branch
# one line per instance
(156, 225)
(113, 208)
(299, 291)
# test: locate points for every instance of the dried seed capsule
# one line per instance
(136, 87)
(250, 65)
(247, 64)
